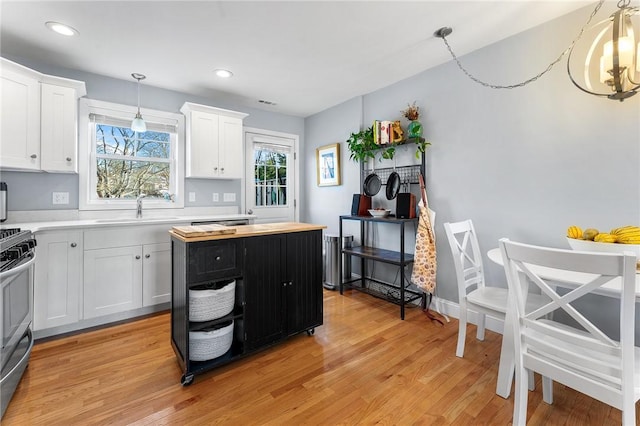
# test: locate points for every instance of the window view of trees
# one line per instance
(270, 177)
(131, 163)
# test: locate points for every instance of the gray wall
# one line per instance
(523, 163)
(32, 191)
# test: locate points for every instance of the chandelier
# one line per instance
(611, 64)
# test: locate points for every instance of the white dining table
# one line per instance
(570, 278)
(567, 279)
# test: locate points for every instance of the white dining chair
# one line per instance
(581, 356)
(477, 297)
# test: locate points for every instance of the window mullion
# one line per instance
(132, 158)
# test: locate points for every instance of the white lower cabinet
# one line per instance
(95, 275)
(126, 268)
(156, 274)
(58, 279)
(126, 278)
(112, 280)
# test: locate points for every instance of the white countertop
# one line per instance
(54, 225)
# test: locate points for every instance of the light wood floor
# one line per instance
(363, 366)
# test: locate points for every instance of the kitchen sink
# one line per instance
(139, 220)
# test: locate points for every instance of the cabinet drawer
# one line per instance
(214, 260)
(98, 238)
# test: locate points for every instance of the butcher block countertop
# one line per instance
(192, 234)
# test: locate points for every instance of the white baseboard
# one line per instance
(449, 308)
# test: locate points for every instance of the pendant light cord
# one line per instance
(138, 96)
(442, 34)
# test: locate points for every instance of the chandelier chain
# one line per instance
(537, 76)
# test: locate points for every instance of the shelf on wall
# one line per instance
(402, 142)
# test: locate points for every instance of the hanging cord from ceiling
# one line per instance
(445, 31)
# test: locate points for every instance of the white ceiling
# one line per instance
(305, 56)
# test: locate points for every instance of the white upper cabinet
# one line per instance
(214, 142)
(39, 120)
(20, 118)
(58, 129)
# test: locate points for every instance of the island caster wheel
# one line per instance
(311, 331)
(186, 380)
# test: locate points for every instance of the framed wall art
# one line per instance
(328, 165)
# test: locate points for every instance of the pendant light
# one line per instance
(611, 65)
(138, 124)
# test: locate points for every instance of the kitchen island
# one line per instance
(275, 271)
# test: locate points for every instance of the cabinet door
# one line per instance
(20, 130)
(202, 145)
(230, 150)
(304, 273)
(58, 279)
(264, 289)
(156, 274)
(58, 142)
(112, 280)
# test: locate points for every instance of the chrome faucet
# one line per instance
(139, 205)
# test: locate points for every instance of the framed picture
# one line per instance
(328, 165)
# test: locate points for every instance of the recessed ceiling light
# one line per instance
(61, 28)
(223, 73)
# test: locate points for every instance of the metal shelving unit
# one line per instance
(408, 176)
(397, 258)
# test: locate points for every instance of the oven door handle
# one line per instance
(24, 358)
(18, 269)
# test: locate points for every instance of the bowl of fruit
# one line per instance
(618, 240)
(379, 212)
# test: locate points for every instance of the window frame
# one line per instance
(87, 160)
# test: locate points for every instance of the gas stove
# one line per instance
(15, 246)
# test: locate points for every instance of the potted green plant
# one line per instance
(361, 145)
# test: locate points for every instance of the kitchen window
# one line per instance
(120, 164)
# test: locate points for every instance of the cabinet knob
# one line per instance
(217, 257)
(137, 256)
(68, 158)
(222, 169)
(74, 245)
(34, 156)
(215, 169)
(147, 256)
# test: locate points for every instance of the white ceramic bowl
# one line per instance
(379, 213)
(587, 245)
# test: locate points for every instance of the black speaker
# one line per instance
(360, 205)
(405, 205)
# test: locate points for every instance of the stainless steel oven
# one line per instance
(17, 257)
